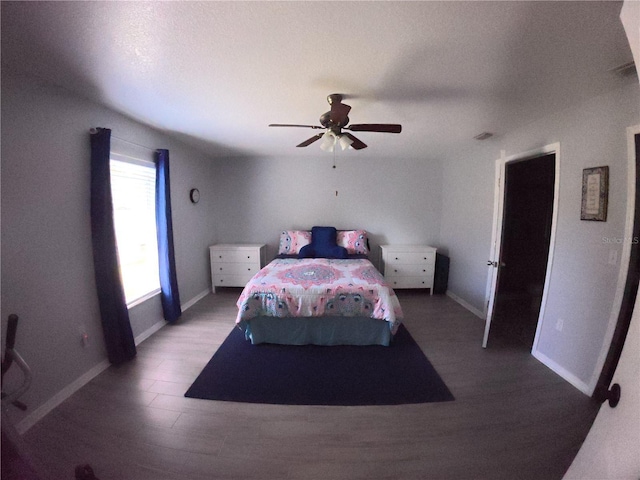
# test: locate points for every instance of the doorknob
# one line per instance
(496, 264)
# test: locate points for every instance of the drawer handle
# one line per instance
(396, 258)
(219, 256)
(395, 271)
(220, 268)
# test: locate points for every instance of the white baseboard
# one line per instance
(465, 304)
(149, 331)
(195, 300)
(39, 413)
(568, 376)
(553, 366)
(154, 328)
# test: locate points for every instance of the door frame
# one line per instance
(625, 258)
(497, 227)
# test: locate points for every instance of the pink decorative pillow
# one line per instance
(355, 241)
(291, 241)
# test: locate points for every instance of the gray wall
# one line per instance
(47, 262)
(395, 200)
(583, 284)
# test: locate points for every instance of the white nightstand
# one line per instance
(233, 265)
(409, 266)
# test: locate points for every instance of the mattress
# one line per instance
(343, 301)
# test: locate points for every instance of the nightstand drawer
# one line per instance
(235, 256)
(410, 282)
(241, 269)
(406, 270)
(231, 280)
(424, 258)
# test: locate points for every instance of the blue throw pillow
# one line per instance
(323, 244)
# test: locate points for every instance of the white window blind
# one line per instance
(133, 191)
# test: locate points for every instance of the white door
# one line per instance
(611, 448)
(494, 256)
(494, 263)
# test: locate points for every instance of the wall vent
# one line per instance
(626, 70)
(483, 136)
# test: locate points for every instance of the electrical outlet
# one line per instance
(559, 324)
(613, 257)
(84, 336)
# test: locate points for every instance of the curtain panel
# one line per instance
(113, 307)
(170, 295)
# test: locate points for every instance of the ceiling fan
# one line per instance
(336, 120)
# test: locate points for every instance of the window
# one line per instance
(134, 211)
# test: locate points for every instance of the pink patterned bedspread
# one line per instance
(313, 287)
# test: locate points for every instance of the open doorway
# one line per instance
(524, 250)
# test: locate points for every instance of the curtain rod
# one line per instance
(95, 130)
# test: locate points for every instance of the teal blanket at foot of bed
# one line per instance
(317, 331)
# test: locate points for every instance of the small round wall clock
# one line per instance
(194, 195)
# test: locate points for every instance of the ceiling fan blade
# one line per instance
(357, 144)
(311, 140)
(375, 127)
(295, 125)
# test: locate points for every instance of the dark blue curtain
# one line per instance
(168, 280)
(113, 306)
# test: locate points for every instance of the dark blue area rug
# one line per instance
(316, 375)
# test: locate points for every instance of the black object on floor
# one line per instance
(320, 375)
(441, 274)
(85, 472)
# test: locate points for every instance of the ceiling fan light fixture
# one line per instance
(345, 142)
(328, 141)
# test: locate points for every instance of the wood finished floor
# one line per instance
(512, 418)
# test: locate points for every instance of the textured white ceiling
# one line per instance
(217, 73)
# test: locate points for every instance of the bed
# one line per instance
(308, 296)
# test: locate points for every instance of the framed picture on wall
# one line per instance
(595, 194)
